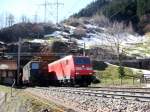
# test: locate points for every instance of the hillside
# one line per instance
(135, 11)
(26, 31)
(94, 28)
(74, 34)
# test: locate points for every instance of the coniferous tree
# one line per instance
(143, 6)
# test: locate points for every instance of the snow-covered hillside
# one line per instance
(92, 35)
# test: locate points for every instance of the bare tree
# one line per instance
(116, 40)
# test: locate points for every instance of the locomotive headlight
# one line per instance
(90, 73)
(89, 68)
(83, 66)
(78, 68)
(77, 73)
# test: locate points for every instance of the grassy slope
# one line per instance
(110, 75)
(25, 102)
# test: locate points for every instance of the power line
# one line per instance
(6, 20)
(10, 20)
(57, 5)
(52, 15)
(46, 4)
(24, 19)
(45, 12)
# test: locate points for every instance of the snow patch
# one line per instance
(38, 41)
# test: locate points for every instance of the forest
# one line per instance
(135, 11)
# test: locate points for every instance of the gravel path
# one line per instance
(84, 103)
(2, 99)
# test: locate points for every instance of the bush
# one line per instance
(96, 80)
(99, 65)
(121, 71)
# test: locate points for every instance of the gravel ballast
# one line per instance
(85, 103)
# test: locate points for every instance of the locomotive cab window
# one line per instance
(82, 60)
(35, 66)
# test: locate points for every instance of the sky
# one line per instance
(30, 8)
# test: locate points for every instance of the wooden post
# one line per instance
(5, 97)
(133, 80)
(14, 81)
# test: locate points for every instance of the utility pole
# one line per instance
(58, 4)
(45, 10)
(24, 19)
(46, 4)
(6, 21)
(10, 20)
(18, 61)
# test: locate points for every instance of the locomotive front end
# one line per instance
(83, 70)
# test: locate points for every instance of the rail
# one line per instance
(125, 94)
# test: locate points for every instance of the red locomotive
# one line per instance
(73, 70)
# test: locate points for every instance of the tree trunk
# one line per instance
(121, 80)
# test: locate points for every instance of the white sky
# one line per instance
(31, 7)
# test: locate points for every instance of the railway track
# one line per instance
(140, 94)
(96, 99)
(127, 90)
(122, 88)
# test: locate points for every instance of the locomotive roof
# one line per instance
(31, 62)
(66, 57)
(72, 56)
